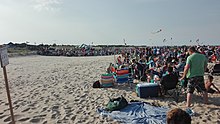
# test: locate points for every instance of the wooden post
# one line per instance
(8, 94)
(4, 62)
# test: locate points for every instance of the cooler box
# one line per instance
(145, 90)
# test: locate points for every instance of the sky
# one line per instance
(110, 22)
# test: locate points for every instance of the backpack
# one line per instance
(96, 84)
(116, 104)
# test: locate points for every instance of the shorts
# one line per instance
(196, 82)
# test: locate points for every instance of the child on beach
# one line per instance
(208, 85)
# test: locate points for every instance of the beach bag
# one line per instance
(96, 84)
(116, 104)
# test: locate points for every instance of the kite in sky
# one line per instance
(164, 40)
(157, 31)
(197, 41)
(124, 42)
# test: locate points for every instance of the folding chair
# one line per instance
(216, 70)
(122, 76)
(169, 86)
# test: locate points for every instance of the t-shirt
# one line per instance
(197, 62)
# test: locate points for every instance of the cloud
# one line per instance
(48, 5)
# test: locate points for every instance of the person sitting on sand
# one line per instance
(119, 60)
(178, 116)
(147, 77)
(111, 68)
(208, 85)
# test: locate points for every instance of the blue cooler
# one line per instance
(145, 90)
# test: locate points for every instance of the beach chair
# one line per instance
(107, 80)
(122, 76)
(169, 86)
(216, 70)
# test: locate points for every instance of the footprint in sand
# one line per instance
(6, 110)
(73, 118)
(59, 122)
(55, 107)
(40, 116)
(23, 119)
(204, 120)
(15, 102)
(2, 116)
(16, 106)
(55, 115)
(45, 122)
(46, 101)
(36, 120)
(44, 109)
(68, 115)
(16, 117)
(1, 113)
(76, 100)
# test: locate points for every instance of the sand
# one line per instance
(49, 90)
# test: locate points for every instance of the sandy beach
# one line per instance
(50, 90)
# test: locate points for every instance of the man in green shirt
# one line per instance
(194, 70)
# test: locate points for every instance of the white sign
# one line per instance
(4, 56)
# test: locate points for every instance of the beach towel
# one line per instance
(138, 113)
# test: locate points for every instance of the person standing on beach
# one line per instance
(194, 70)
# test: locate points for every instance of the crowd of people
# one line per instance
(76, 52)
(186, 64)
(157, 60)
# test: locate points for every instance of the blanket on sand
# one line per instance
(138, 113)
